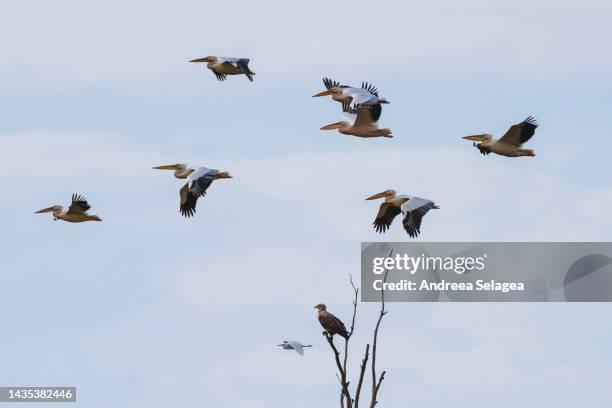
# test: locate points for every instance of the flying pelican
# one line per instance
(77, 212)
(361, 122)
(294, 345)
(198, 181)
(508, 145)
(413, 208)
(224, 66)
(367, 95)
(331, 323)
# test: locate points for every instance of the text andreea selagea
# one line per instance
(480, 285)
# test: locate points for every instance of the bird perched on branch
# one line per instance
(198, 181)
(224, 66)
(510, 144)
(413, 208)
(77, 212)
(294, 345)
(331, 323)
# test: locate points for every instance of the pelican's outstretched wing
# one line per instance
(361, 96)
(370, 88)
(521, 132)
(364, 115)
(386, 213)
(220, 77)
(414, 210)
(229, 60)
(241, 63)
(197, 184)
(330, 83)
(188, 201)
(78, 205)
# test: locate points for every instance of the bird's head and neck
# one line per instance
(94, 218)
(387, 195)
(321, 308)
(56, 210)
(181, 170)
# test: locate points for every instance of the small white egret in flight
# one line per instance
(413, 208)
(510, 144)
(77, 212)
(294, 345)
(198, 181)
(224, 66)
(367, 95)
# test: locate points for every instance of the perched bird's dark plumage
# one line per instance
(331, 323)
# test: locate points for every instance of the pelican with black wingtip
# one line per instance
(361, 122)
(413, 209)
(367, 95)
(224, 66)
(199, 180)
(77, 212)
(510, 144)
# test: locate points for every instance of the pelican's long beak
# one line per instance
(46, 210)
(324, 93)
(205, 59)
(167, 167)
(332, 126)
(376, 196)
(476, 138)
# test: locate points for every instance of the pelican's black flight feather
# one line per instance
(80, 201)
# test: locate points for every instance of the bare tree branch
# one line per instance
(343, 382)
(342, 362)
(376, 382)
(364, 364)
(346, 342)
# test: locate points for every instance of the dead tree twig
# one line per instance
(343, 381)
(377, 382)
(364, 364)
(342, 361)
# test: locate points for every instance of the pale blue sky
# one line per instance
(165, 311)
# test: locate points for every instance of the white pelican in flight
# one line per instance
(361, 122)
(413, 208)
(224, 66)
(198, 181)
(294, 345)
(77, 212)
(508, 145)
(367, 95)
